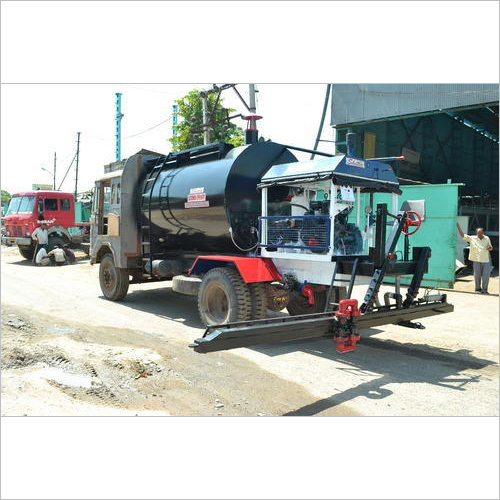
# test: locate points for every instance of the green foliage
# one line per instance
(5, 196)
(189, 130)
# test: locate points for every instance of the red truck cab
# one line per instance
(25, 211)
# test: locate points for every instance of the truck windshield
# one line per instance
(21, 205)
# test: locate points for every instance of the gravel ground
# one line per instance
(68, 351)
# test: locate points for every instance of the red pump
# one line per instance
(347, 309)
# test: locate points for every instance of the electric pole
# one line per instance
(206, 130)
(251, 91)
(118, 120)
(251, 133)
(77, 160)
(175, 114)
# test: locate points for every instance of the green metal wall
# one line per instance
(438, 230)
(448, 150)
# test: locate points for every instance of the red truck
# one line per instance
(25, 211)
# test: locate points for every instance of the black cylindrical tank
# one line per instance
(194, 205)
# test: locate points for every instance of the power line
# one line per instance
(74, 157)
(129, 136)
(150, 128)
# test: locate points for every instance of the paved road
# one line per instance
(451, 368)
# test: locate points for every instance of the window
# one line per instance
(27, 205)
(14, 205)
(118, 194)
(50, 204)
(107, 198)
(65, 204)
(95, 198)
(113, 194)
(21, 205)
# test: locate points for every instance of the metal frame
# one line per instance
(276, 217)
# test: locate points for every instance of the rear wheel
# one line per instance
(258, 298)
(53, 241)
(223, 297)
(299, 305)
(114, 280)
(27, 252)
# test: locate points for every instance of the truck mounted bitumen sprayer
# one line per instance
(250, 229)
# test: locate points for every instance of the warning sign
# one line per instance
(197, 198)
(354, 162)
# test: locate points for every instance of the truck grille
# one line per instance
(15, 230)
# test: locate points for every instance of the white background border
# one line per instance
(340, 42)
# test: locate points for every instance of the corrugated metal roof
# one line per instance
(353, 103)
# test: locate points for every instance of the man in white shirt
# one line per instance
(41, 236)
(479, 253)
(57, 256)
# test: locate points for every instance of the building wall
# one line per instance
(356, 103)
(446, 150)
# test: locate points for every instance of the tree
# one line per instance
(5, 197)
(190, 130)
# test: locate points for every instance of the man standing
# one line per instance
(41, 236)
(479, 253)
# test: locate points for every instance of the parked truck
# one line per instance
(57, 209)
(251, 229)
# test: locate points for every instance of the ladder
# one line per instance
(147, 193)
(354, 272)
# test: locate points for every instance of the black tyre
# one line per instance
(258, 298)
(27, 252)
(223, 297)
(299, 305)
(114, 280)
(53, 241)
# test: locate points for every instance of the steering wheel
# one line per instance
(411, 222)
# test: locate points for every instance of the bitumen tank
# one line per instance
(207, 202)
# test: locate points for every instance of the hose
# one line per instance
(244, 249)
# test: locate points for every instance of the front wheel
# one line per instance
(114, 280)
(27, 252)
(223, 297)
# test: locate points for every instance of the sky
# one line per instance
(40, 119)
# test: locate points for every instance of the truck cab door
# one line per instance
(102, 194)
(51, 209)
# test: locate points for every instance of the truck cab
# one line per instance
(25, 211)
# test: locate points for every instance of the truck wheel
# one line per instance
(299, 305)
(114, 281)
(258, 298)
(27, 252)
(53, 241)
(223, 297)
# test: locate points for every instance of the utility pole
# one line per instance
(206, 130)
(175, 115)
(77, 160)
(251, 133)
(55, 161)
(118, 120)
(251, 91)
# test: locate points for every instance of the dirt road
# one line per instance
(68, 351)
